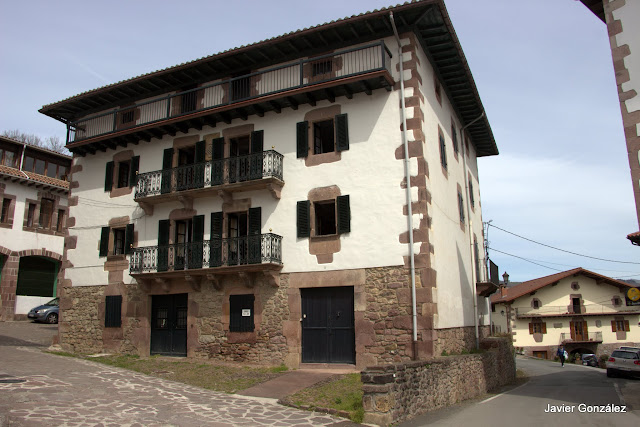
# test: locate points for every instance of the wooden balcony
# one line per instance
(263, 170)
(306, 81)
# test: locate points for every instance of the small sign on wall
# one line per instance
(246, 312)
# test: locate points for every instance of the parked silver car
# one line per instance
(623, 362)
(47, 312)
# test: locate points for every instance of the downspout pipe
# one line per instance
(24, 148)
(470, 224)
(408, 179)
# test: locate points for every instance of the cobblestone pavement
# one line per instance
(38, 389)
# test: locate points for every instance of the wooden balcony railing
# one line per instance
(566, 310)
(237, 251)
(566, 337)
(301, 74)
(252, 167)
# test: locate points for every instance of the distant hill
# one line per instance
(632, 282)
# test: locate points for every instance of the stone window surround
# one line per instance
(437, 88)
(457, 141)
(461, 213)
(118, 158)
(441, 147)
(323, 247)
(241, 337)
(117, 264)
(36, 214)
(616, 301)
(471, 195)
(570, 307)
(535, 303)
(621, 335)
(575, 286)
(539, 336)
(319, 115)
(336, 65)
(12, 206)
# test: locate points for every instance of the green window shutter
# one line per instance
(257, 141)
(344, 214)
(342, 132)
(217, 146)
(304, 218)
(254, 238)
(167, 163)
(113, 311)
(215, 245)
(108, 177)
(195, 255)
(198, 168)
(128, 239)
(163, 245)
(302, 132)
(104, 241)
(133, 172)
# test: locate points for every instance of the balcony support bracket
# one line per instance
(215, 281)
(164, 284)
(187, 202)
(248, 280)
(271, 278)
(147, 208)
(194, 282)
(226, 196)
(275, 190)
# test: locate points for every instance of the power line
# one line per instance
(562, 250)
(524, 259)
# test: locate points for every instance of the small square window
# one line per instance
(241, 313)
(123, 174)
(4, 217)
(118, 241)
(127, 116)
(321, 67)
(325, 213)
(323, 137)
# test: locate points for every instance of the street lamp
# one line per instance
(505, 278)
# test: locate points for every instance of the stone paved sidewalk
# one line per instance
(39, 389)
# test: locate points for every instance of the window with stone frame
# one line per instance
(46, 213)
(241, 313)
(123, 174)
(472, 199)
(31, 213)
(454, 138)
(118, 241)
(443, 152)
(461, 207)
(61, 218)
(537, 327)
(619, 325)
(323, 137)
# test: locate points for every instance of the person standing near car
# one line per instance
(561, 353)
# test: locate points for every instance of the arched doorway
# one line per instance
(37, 282)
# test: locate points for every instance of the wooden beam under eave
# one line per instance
(258, 110)
(276, 107)
(169, 129)
(243, 114)
(226, 118)
(293, 102)
(330, 95)
(367, 88)
(310, 99)
(210, 121)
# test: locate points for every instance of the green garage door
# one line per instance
(37, 277)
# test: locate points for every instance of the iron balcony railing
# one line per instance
(258, 249)
(591, 336)
(550, 311)
(266, 164)
(303, 73)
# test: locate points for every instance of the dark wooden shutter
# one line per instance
(108, 176)
(626, 325)
(304, 218)
(217, 165)
(133, 172)
(198, 173)
(104, 241)
(163, 244)
(257, 141)
(128, 239)
(167, 164)
(613, 326)
(215, 244)
(544, 328)
(238, 322)
(255, 160)
(344, 214)
(342, 132)
(195, 255)
(302, 132)
(255, 239)
(113, 311)
(572, 329)
(530, 328)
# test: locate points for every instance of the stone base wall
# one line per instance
(456, 340)
(394, 393)
(595, 348)
(80, 328)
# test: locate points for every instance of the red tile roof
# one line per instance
(634, 237)
(35, 177)
(525, 288)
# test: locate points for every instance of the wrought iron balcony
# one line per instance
(210, 254)
(259, 170)
(588, 337)
(342, 73)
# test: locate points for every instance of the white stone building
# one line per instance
(33, 193)
(259, 200)
(584, 311)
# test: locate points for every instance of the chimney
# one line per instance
(503, 291)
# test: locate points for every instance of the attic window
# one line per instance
(319, 68)
(535, 303)
(575, 286)
(616, 301)
(127, 116)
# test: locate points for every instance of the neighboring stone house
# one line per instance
(259, 200)
(584, 311)
(622, 17)
(33, 194)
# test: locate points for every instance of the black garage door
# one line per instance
(169, 325)
(328, 333)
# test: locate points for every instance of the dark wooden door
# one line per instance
(169, 325)
(328, 333)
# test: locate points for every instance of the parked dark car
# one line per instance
(590, 360)
(47, 312)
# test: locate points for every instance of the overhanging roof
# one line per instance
(428, 19)
(596, 6)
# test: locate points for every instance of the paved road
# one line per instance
(39, 389)
(549, 384)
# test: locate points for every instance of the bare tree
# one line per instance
(52, 143)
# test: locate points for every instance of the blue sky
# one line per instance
(543, 69)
